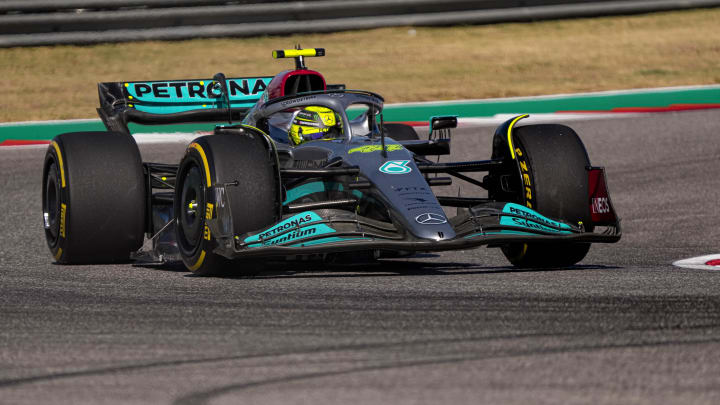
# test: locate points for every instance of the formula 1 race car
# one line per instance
(304, 169)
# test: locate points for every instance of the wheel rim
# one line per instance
(190, 209)
(51, 204)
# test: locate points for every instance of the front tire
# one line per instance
(553, 163)
(93, 197)
(224, 158)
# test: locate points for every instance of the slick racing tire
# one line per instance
(400, 132)
(93, 197)
(254, 203)
(553, 162)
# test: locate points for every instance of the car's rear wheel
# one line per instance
(93, 197)
(254, 203)
(554, 179)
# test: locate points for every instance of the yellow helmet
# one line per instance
(315, 122)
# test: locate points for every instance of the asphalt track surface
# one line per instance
(624, 326)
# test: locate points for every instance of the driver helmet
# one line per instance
(315, 122)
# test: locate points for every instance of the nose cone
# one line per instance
(403, 188)
(419, 210)
(430, 218)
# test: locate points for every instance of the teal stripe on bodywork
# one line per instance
(531, 219)
(172, 109)
(300, 226)
(503, 232)
(526, 218)
(326, 240)
(311, 188)
(173, 96)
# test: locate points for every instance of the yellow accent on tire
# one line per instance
(58, 254)
(509, 133)
(60, 162)
(63, 214)
(200, 150)
(524, 250)
(199, 262)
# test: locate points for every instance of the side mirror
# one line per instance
(219, 79)
(218, 88)
(443, 122)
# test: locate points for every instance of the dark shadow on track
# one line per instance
(407, 269)
(379, 268)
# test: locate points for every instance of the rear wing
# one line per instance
(178, 101)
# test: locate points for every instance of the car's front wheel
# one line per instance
(254, 201)
(553, 172)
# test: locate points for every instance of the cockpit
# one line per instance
(319, 116)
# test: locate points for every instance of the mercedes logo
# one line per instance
(429, 218)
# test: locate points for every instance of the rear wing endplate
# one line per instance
(177, 101)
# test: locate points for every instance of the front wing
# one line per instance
(331, 231)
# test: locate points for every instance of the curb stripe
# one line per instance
(19, 142)
(707, 262)
(562, 96)
(670, 108)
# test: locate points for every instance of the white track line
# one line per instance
(163, 137)
(540, 118)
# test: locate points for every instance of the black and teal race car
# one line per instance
(306, 169)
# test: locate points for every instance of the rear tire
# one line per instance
(93, 197)
(224, 158)
(556, 162)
